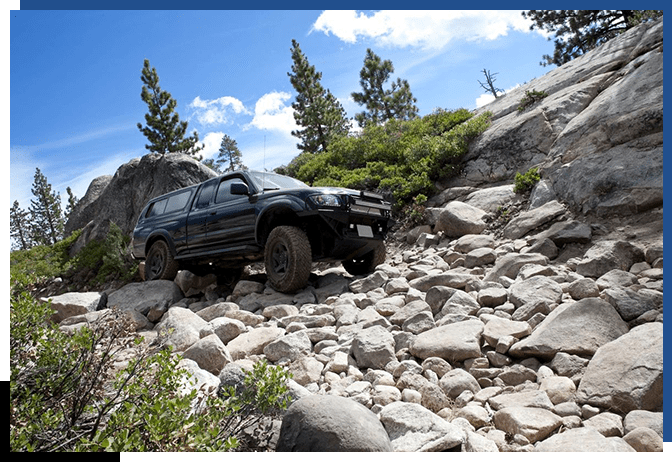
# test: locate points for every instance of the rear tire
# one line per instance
(367, 262)
(288, 258)
(160, 263)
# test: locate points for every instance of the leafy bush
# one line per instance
(400, 158)
(109, 257)
(40, 262)
(66, 393)
(525, 182)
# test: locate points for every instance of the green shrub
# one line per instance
(66, 395)
(525, 182)
(40, 262)
(401, 158)
(108, 258)
(531, 97)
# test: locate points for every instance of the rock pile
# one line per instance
(474, 343)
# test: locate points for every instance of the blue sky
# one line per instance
(75, 77)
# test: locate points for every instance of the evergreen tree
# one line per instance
(382, 105)
(72, 203)
(47, 218)
(579, 31)
(229, 155)
(19, 227)
(315, 109)
(164, 129)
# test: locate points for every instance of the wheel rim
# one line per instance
(156, 265)
(280, 259)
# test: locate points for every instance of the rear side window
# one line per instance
(177, 202)
(169, 204)
(157, 208)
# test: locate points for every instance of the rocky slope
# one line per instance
(506, 323)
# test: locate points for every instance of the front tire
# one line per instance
(160, 263)
(367, 262)
(288, 259)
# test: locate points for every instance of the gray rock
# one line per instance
(326, 423)
(75, 303)
(629, 304)
(535, 289)
(453, 342)
(292, 346)
(143, 296)
(181, 328)
(457, 219)
(533, 423)
(582, 440)
(454, 382)
(373, 347)
(608, 255)
(253, 342)
(509, 265)
(627, 373)
(469, 242)
(209, 353)
(644, 439)
(412, 428)
(532, 219)
(578, 328)
(641, 418)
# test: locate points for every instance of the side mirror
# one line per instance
(240, 189)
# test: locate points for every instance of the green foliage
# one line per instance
(109, 257)
(382, 105)
(40, 262)
(525, 182)
(164, 130)
(400, 158)
(531, 97)
(66, 393)
(47, 223)
(579, 31)
(229, 157)
(316, 109)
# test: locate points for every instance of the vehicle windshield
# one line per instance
(265, 181)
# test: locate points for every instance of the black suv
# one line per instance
(230, 221)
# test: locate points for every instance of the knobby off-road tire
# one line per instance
(288, 258)
(160, 263)
(367, 262)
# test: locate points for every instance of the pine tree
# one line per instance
(382, 105)
(47, 219)
(315, 109)
(72, 203)
(579, 31)
(19, 227)
(229, 157)
(164, 129)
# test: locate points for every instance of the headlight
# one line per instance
(326, 200)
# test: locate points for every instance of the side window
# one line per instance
(224, 191)
(205, 195)
(177, 202)
(157, 208)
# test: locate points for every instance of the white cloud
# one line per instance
(423, 29)
(271, 113)
(217, 111)
(212, 142)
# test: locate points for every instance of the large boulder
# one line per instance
(120, 199)
(578, 328)
(458, 218)
(327, 423)
(453, 342)
(145, 296)
(75, 303)
(627, 373)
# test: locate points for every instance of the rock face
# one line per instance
(120, 198)
(546, 337)
(598, 135)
